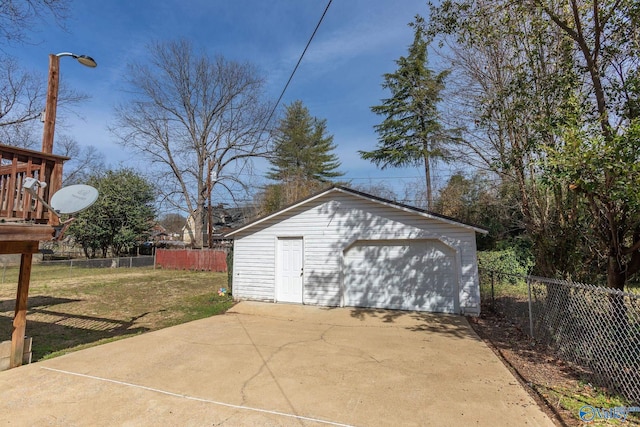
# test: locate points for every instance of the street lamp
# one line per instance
(52, 95)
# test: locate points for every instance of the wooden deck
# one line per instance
(23, 217)
(25, 222)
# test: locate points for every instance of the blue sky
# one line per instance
(338, 80)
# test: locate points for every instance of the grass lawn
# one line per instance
(74, 308)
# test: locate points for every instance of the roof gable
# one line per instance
(359, 194)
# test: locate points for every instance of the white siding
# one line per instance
(401, 274)
(329, 225)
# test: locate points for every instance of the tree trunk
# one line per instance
(427, 175)
(616, 276)
(197, 227)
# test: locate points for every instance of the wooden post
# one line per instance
(51, 104)
(20, 318)
(54, 185)
(210, 211)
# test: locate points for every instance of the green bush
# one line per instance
(508, 261)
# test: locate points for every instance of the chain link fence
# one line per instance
(121, 262)
(597, 329)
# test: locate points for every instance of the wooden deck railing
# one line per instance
(16, 164)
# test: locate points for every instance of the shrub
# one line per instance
(506, 261)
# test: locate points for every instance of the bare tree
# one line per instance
(22, 93)
(198, 121)
(19, 17)
(22, 99)
(512, 82)
(172, 222)
(553, 91)
(378, 189)
(85, 161)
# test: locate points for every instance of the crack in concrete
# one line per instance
(365, 356)
(362, 354)
(265, 365)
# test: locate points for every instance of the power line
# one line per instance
(300, 60)
(293, 72)
(298, 63)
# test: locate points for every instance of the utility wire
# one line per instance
(298, 64)
(264, 128)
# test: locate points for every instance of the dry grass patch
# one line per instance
(75, 307)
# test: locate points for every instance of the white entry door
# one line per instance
(289, 270)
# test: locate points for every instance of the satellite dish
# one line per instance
(74, 198)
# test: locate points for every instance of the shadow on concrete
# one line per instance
(448, 324)
(387, 316)
(428, 323)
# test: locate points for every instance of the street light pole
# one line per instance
(51, 105)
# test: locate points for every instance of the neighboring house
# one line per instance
(159, 233)
(342, 247)
(224, 221)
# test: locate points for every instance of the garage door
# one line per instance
(401, 274)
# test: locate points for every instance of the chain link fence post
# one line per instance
(530, 307)
(493, 297)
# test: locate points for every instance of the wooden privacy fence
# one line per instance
(192, 259)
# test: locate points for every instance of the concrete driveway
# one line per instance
(278, 365)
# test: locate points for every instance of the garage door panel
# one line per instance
(409, 275)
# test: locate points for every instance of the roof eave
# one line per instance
(412, 210)
(288, 208)
(365, 196)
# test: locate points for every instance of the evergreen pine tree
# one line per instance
(303, 150)
(411, 132)
(303, 161)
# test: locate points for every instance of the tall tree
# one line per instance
(121, 218)
(302, 147)
(193, 117)
(606, 135)
(411, 132)
(514, 81)
(565, 116)
(302, 161)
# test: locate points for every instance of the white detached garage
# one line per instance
(342, 247)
